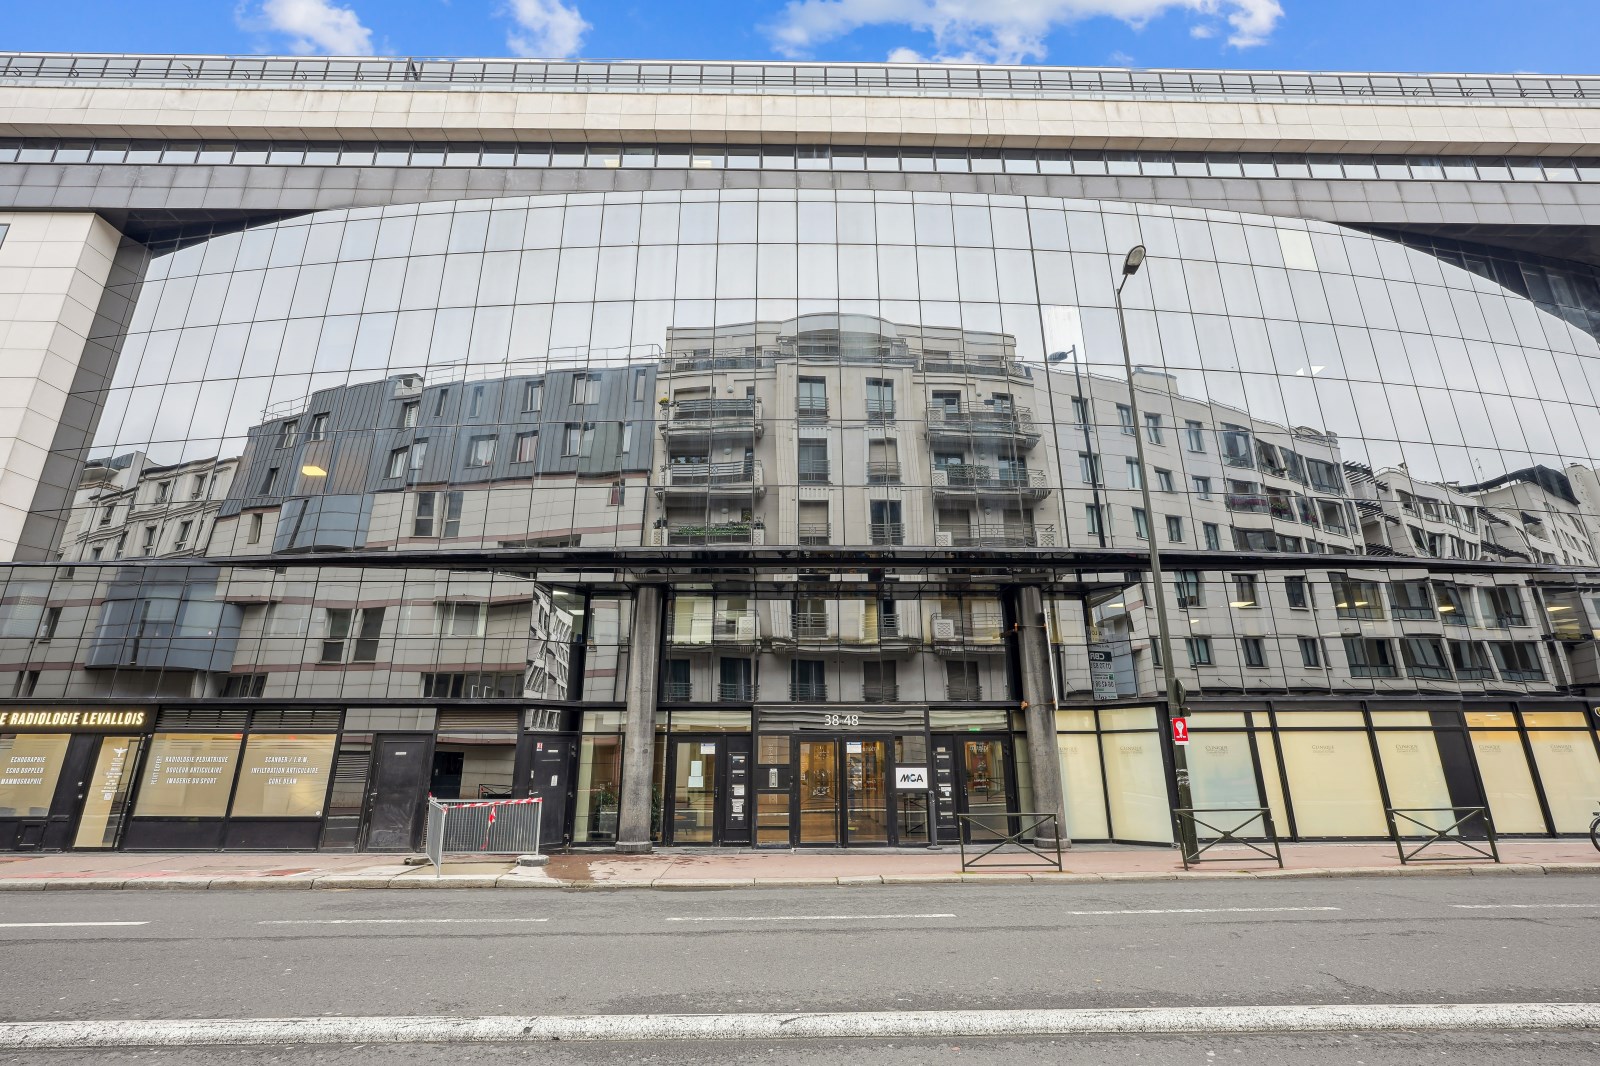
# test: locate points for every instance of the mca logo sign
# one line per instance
(911, 777)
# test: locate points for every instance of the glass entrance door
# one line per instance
(105, 803)
(694, 790)
(985, 786)
(818, 802)
(866, 782)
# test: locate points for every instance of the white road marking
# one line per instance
(62, 925)
(1523, 906)
(393, 921)
(1428, 1017)
(806, 917)
(1212, 910)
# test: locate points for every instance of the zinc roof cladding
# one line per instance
(892, 79)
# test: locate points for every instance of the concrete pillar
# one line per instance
(1039, 692)
(639, 737)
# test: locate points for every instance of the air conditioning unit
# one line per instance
(942, 540)
(944, 628)
(745, 629)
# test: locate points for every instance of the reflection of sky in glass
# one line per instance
(1408, 359)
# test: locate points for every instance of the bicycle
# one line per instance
(1594, 831)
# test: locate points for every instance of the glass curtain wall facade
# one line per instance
(378, 477)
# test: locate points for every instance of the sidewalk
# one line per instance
(686, 869)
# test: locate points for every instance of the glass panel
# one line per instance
(1507, 782)
(866, 772)
(987, 793)
(694, 791)
(912, 826)
(188, 775)
(819, 792)
(1414, 774)
(1333, 784)
(110, 786)
(599, 786)
(1082, 787)
(1222, 774)
(772, 817)
(284, 776)
(30, 763)
(1136, 781)
(1569, 772)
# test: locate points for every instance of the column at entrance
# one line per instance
(639, 737)
(1039, 693)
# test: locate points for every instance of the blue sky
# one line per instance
(1553, 36)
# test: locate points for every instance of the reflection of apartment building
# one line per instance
(1535, 514)
(127, 507)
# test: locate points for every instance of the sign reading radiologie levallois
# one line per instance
(69, 720)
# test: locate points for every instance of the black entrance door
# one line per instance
(975, 775)
(40, 828)
(398, 795)
(551, 781)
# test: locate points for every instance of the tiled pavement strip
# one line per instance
(686, 870)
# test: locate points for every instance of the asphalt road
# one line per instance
(936, 947)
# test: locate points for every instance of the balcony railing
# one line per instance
(885, 472)
(1249, 502)
(695, 536)
(676, 691)
(814, 472)
(815, 533)
(961, 477)
(745, 410)
(993, 536)
(811, 625)
(880, 692)
(808, 691)
(744, 475)
(982, 420)
(811, 408)
(963, 691)
(880, 410)
(1371, 670)
(888, 533)
(735, 691)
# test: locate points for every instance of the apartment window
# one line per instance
(163, 491)
(1152, 428)
(1125, 419)
(1245, 496)
(879, 681)
(1236, 449)
(1190, 589)
(1174, 529)
(640, 380)
(453, 618)
(244, 686)
(1164, 481)
(398, 461)
(1311, 652)
(452, 513)
(1502, 607)
(1355, 599)
(1455, 604)
(1517, 660)
(1194, 435)
(1199, 651)
(1294, 590)
(425, 518)
(106, 513)
(961, 681)
(627, 439)
(270, 482)
(880, 399)
(1411, 599)
(1080, 410)
(1254, 540)
(527, 445)
(618, 495)
(439, 403)
(578, 440)
(1424, 657)
(47, 624)
(1253, 651)
(148, 545)
(122, 545)
(1368, 657)
(288, 433)
(475, 402)
(351, 631)
(1325, 476)
(1141, 524)
(1213, 536)
(532, 395)
(419, 453)
(422, 519)
(1244, 591)
(408, 414)
(181, 542)
(1091, 516)
(811, 400)
(1089, 468)
(808, 681)
(1202, 487)
(1471, 661)
(480, 451)
(1135, 474)
(586, 389)
(97, 551)
(813, 455)
(319, 427)
(197, 487)
(253, 536)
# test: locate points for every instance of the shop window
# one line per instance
(30, 763)
(1414, 773)
(1507, 780)
(1082, 785)
(1222, 775)
(597, 802)
(1333, 784)
(284, 776)
(188, 775)
(1569, 771)
(1135, 780)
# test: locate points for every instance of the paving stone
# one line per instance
(258, 884)
(156, 884)
(875, 879)
(22, 884)
(689, 884)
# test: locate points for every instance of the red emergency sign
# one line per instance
(1180, 730)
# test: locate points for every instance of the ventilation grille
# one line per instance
(222, 719)
(452, 721)
(306, 719)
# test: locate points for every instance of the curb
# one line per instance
(342, 882)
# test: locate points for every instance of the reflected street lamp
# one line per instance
(1180, 755)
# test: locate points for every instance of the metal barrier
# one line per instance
(482, 827)
(1017, 838)
(1450, 834)
(1228, 834)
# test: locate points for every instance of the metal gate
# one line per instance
(482, 827)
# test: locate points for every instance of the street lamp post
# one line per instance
(1180, 755)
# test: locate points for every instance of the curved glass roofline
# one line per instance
(892, 79)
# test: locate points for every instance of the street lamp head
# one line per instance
(1131, 265)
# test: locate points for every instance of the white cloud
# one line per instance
(1200, 31)
(998, 31)
(546, 29)
(312, 26)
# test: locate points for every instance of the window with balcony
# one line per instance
(1235, 441)
(880, 400)
(1355, 599)
(1369, 657)
(1411, 599)
(808, 682)
(676, 680)
(1502, 607)
(813, 456)
(879, 681)
(1517, 660)
(1471, 661)
(811, 399)
(887, 525)
(883, 462)
(961, 684)
(1424, 657)
(1245, 496)
(736, 680)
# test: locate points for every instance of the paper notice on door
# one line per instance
(708, 747)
